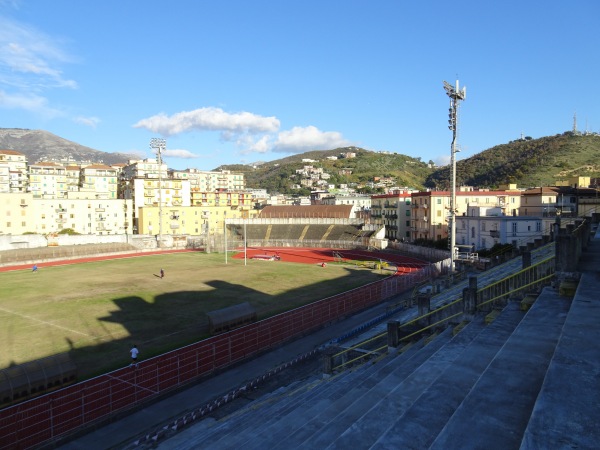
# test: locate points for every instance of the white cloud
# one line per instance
(88, 121)
(209, 119)
(29, 59)
(178, 153)
(303, 139)
(28, 102)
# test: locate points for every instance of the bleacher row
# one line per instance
(307, 232)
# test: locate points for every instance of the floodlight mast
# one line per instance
(456, 95)
(159, 145)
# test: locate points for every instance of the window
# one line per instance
(483, 227)
(408, 213)
(514, 229)
(538, 226)
(439, 201)
(472, 232)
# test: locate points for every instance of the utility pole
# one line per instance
(456, 95)
(159, 145)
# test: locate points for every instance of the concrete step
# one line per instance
(422, 421)
(279, 428)
(566, 410)
(498, 407)
(364, 431)
(315, 431)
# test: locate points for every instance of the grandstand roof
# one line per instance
(305, 212)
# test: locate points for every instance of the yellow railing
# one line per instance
(529, 278)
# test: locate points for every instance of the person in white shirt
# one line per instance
(134, 354)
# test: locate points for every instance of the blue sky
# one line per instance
(228, 82)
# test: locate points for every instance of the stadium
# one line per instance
(333, 255)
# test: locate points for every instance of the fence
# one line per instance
(54, 416)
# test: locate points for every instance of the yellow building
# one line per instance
(189, 220)
(431, 210)
(24, 213)
(16, 213)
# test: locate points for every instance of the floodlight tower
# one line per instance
(159, 145)
(456, 95)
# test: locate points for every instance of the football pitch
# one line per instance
(96, 311)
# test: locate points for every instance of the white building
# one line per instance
(48, 180)
(13, 171)
(489, 227)
(359, 203)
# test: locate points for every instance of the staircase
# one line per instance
(528, 380)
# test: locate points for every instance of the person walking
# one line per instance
(162, 273)
(134, 355)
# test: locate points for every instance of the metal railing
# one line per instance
(526, 280)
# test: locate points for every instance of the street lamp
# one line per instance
(456, 95)
(159, 145)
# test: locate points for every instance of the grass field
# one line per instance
(97, 310)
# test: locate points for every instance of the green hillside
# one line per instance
(280, 175)
(528, 162)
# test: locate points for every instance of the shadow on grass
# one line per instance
(179, 318)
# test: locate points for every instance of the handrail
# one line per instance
(508, 286)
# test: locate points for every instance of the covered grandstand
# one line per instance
(305, 226)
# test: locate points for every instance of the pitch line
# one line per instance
(25, 316)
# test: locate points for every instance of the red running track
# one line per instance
(327, 255)
(64, 262)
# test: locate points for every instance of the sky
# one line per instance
(240, 81)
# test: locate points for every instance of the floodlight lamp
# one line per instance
(158, 143)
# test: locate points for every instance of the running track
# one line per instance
(297, 255)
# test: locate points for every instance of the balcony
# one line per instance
(495, 234)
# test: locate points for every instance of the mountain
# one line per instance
(526, 162)
(40, 145)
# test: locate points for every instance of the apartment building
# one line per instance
(360, 203)
(431, 209)
(13, 171)
(25, 213)
(188, 220)
(48, 180)
(394, 211)
(99, 179)
(16, 213)
(485, 227)
(206, 181)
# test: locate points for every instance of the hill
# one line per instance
(39, 145)
(528, 162)
(280, 175)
